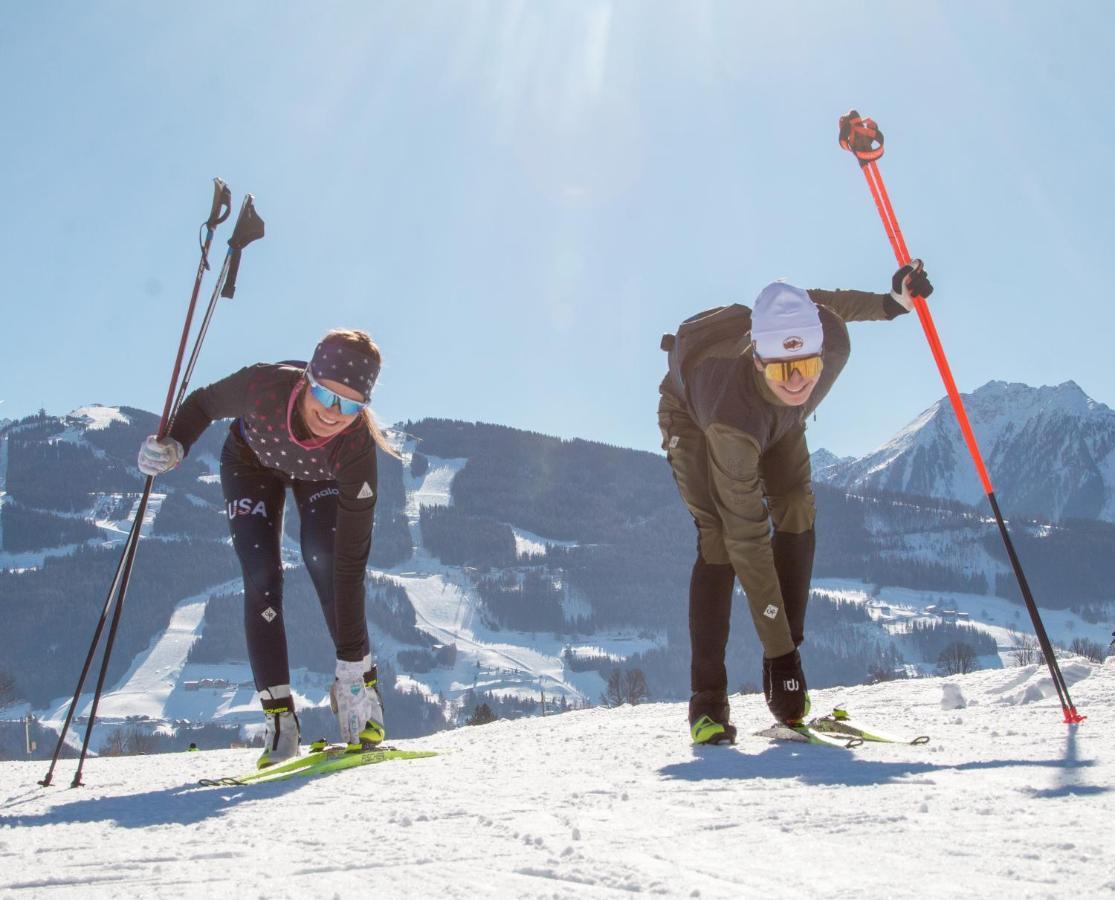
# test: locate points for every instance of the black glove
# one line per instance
(784, 687)
(910, 281)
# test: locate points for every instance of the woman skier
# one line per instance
(309, 428)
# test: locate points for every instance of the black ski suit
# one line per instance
(269, 448)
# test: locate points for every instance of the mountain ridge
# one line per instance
(516, 570)
(1050, 452)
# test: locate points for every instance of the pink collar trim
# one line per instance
(315, 443)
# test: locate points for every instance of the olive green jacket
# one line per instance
(740, 418)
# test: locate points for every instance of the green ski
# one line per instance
(319, 761)
(805, 734)
(840, 722)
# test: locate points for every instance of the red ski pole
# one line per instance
(862, 137)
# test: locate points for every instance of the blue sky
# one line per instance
(517, 198)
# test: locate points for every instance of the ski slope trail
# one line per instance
(153, 678)
(447, 607)
(444, 610)
(1005, 801)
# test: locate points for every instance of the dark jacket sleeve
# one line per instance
(737, 492)
(224, 399)
(356, 480)
(858, 306)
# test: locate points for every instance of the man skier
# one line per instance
(732, 412)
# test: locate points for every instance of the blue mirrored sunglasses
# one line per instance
(329, 399)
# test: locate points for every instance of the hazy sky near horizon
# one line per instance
(517, 198)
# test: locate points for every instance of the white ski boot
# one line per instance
(356, 701)
(281, 739)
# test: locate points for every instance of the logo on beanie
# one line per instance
(793, 343)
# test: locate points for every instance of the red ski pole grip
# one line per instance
(861, 136)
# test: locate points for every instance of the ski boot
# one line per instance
(373, 731)
(355, 700)
(280, 740)
(784, 688)
(709, 716)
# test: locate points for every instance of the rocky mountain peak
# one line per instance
(1050, 451)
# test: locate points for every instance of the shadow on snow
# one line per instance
(1069, 784)
(190, 804)
(811, 764)
(181, 805)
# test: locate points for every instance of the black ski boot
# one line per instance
(785, 689)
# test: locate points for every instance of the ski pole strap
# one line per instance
(249, 227)
(222, 204)
(860, 136)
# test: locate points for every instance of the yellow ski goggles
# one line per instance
(782, 370)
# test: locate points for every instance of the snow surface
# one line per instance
(1005, 801)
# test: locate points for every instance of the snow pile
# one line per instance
(1005, 800)
(952, 697)
(1033, 683)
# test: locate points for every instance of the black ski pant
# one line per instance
(786, 479)
(255, 497)
(710, 614)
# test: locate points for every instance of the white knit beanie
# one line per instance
(785, 323)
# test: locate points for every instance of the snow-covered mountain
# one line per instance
(508, 568)
(1050, 452)
(822, 460)
(451, 629)
(1004, 801)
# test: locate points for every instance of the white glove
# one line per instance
(350, 699)
(157, 456)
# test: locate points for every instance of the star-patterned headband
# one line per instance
(340, 362)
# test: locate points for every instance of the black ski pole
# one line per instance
(249, 227)
(128, 561)
(218, 212)
(45, 782)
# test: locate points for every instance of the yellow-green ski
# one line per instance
(839, 722)
(321, 761)
(804, 734)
